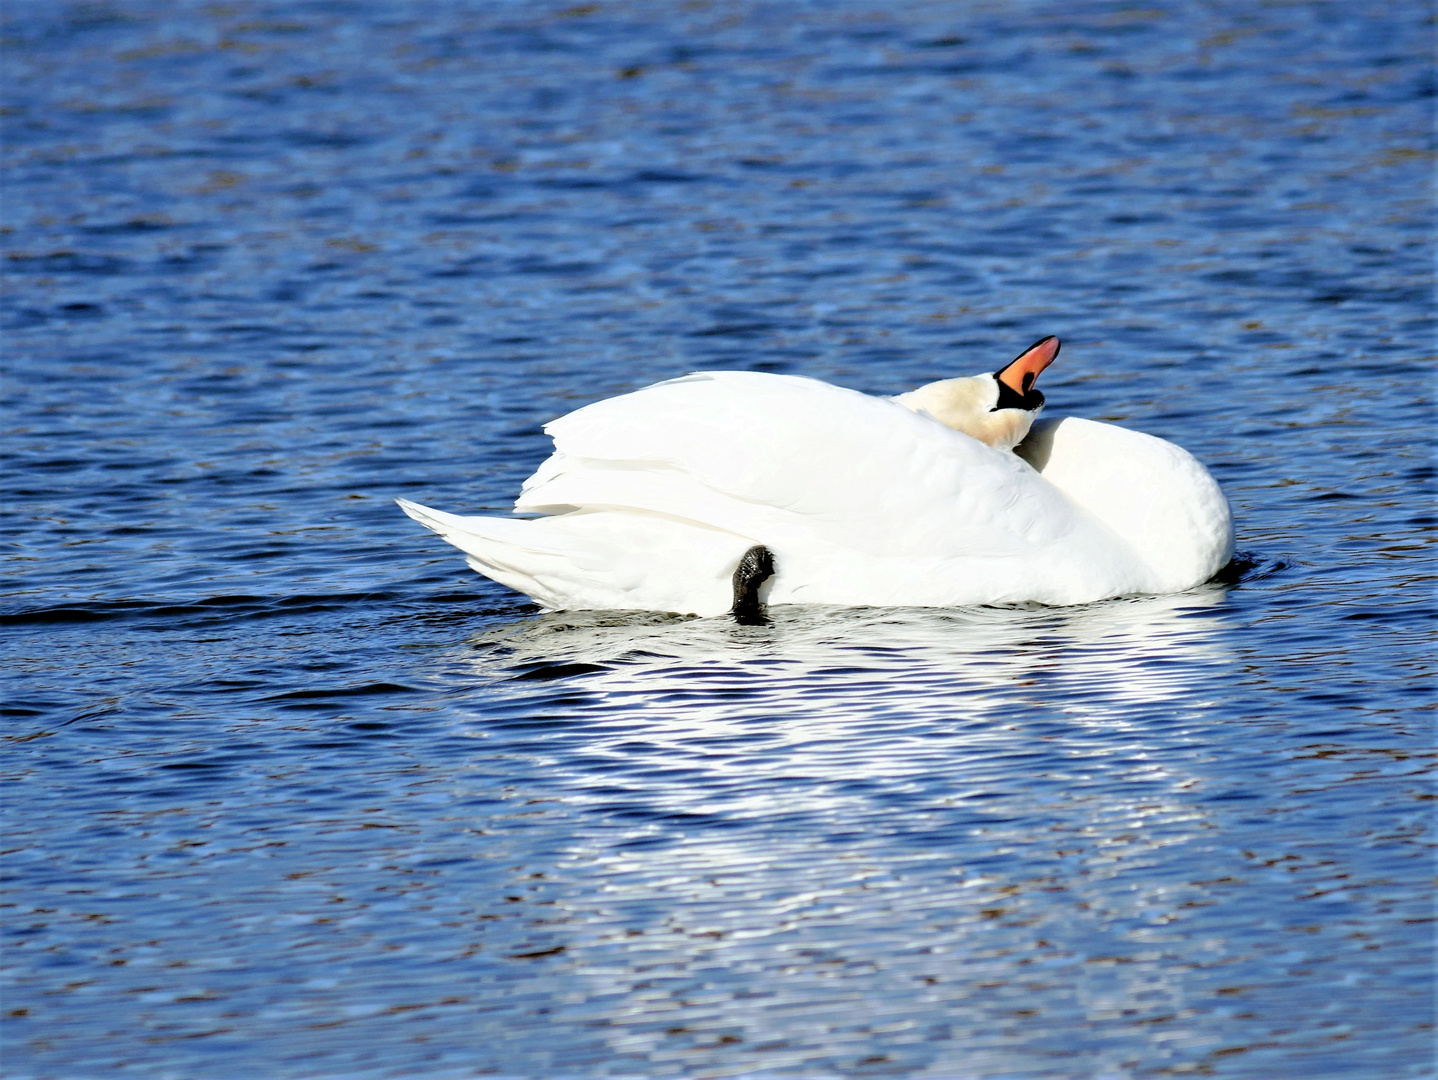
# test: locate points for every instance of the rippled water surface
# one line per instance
(289, 792)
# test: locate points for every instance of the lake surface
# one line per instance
(290, 792)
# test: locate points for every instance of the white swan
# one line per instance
(652, 499)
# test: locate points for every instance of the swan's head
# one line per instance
(998, 408)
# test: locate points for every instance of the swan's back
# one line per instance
(650, 499)
(861, 500)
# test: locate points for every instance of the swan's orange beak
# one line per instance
(1020, 375)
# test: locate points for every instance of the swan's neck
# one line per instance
(967, 405)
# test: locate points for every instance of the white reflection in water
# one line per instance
(868, 692)
(1137, 651)
(877, 798)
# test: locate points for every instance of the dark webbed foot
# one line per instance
(755, 568)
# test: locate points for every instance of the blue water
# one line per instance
(289, 792)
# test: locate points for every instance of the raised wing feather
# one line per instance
(778, 457)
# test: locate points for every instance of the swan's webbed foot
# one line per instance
(755, 568)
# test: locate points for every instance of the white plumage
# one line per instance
(650, 499)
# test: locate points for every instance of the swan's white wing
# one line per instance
(748, 451)
(861, 500)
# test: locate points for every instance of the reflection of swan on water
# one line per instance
(720, 489)
(1127, 651)
(700, 716)
(922, 769)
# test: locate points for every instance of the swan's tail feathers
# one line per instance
(590, 559)
(436, 521)
(502, 549)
